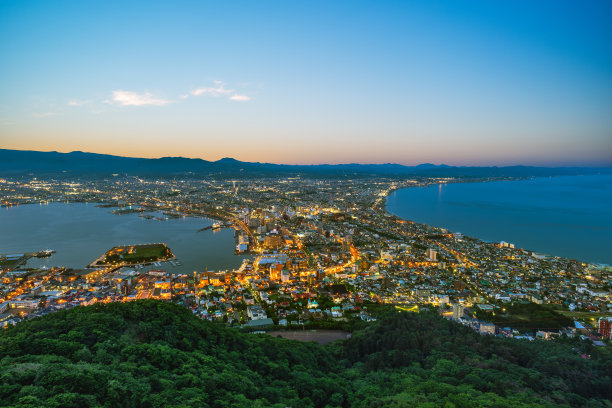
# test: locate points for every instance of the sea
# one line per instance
(81, 232)
(568, 216)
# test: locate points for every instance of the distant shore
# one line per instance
(421, 208)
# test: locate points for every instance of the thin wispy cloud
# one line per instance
(240, 98)
(214, 91)
(218, 90)
(74, 102)
(129, 98)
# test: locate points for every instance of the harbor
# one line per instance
(14, 261)
(81, 232)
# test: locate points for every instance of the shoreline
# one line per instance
(453, 181)
(383, 206)
(188, 224)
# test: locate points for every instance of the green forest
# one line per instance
(156, 354)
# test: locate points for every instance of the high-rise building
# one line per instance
(605, 327)
(285, 276)
(432, 254)
(458, 311)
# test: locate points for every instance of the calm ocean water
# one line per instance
(79, 233)
(568, 216)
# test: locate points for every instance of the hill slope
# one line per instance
(154, 354)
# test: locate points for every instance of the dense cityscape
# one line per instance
(318, 252)
(333, 204)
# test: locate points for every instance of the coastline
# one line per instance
(451, 180)
(172, 231)
(384, 206)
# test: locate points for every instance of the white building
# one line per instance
(256, 312)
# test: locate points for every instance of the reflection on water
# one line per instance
(79, 233)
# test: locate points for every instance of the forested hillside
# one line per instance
(154, 354)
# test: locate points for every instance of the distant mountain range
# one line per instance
(24, 162)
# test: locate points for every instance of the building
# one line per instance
(256, 312)
(212, 278)
(536, 299)
(605, 327)
(27, 304)
(546, 335)
(261, 322)
(243, 243)
(418, 292)
(285, 276)
(458, 311)
(432, 254)
(273, 241)
(487, 328)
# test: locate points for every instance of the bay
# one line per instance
(569, 216)
(79, 233)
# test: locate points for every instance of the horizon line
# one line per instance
(592, 166)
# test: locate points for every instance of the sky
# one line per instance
(409, 82)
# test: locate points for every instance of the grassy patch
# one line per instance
(10, 263)
(584, 315)
(135, 254)
(527, 317)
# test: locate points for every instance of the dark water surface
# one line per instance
(82, 232)
(568, 216)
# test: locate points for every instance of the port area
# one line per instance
(130, 255)
(13, 261)
(216, 226)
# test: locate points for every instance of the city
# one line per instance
(317, 251)
(328, 204)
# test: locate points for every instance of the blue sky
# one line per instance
(474, 82)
